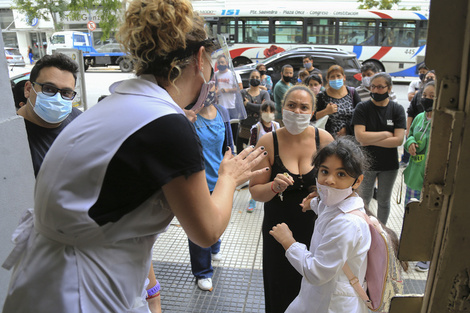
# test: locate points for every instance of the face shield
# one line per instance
(227, 88)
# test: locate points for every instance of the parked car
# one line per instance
(323, 58)
(14, 57)
(17, 78)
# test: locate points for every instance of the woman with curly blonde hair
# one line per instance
(117, 176)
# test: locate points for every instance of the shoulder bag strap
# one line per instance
(275, 143)
(317, 138)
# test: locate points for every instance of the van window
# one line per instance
(57, 39)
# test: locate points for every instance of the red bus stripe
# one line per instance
(380, 54)
(237, 52)
(382, 15)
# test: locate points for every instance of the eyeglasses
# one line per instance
(51, 90)
(378, 87)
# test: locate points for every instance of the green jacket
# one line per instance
(279, 91)
(419, 133)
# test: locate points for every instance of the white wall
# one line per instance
(16, 171)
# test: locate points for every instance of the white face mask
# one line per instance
(331, 196)
(267, 117)
(366, 81)
(295, 123)
(316, 89)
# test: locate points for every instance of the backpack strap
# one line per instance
(354, 281)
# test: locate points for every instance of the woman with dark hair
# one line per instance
(338, 102)
(116, 176)
(266, 81)
(379, 125)
(282, 188)
(253, 97)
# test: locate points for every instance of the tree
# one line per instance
(108, 11)
(377, 4)
(44, 9)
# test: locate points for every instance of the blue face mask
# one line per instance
(336, 84)
(53, 109)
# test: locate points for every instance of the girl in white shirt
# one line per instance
(338, 237)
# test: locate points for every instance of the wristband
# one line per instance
(272, 184)
(154, 291)
(154, 296)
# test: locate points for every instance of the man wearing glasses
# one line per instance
(48, 109)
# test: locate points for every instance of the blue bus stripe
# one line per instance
(421, 16)
(411, 71)
(358, 51)
(419, 50)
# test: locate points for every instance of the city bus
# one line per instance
(394, 40)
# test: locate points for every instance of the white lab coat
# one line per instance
(64, 261)
(337, 238)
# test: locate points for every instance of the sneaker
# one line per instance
(205, 284)
(217, 257)
(251, 206)
(403, 164)
(422, 266)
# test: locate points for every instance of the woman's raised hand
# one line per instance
(239, 167)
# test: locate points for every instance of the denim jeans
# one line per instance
(201, 259)
(386, 179)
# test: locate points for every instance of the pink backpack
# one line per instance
(383, 274)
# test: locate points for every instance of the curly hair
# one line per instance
(162, 36)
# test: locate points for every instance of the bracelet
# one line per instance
(154, 296)
(154, 291)
(272, 184)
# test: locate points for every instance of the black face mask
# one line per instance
(222, 67)
(421, 77)
(254, 82)
(286, 79)
(262, 73)
(379, 96)
(429, 80)
(427, 104)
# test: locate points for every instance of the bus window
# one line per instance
(288, 31)
(212, 25)
(423, 33)
(321, 31)
(227, 29)
(397, 34)
(356, 32)
(253, 30)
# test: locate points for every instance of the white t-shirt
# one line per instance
(414, 86)
(226, 81)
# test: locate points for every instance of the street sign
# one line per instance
(91, 26)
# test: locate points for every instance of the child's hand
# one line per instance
(306, 201)
(283, 235)
(412, 149)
